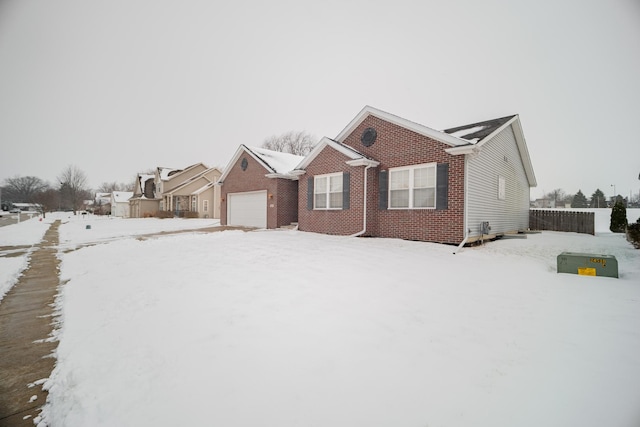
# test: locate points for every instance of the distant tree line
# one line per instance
(67, 194)
(597, 200)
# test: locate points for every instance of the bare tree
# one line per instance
(294, 142)
(73, 187)
(110, 187)
(557, 195)
(48, 200)
(22, 189)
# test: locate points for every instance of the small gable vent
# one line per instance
(244, 164)
(368, 137)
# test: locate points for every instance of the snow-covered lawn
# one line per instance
(285, 328)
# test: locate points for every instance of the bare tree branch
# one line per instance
(73, 187)
(294, 142)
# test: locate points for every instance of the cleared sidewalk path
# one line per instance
(25, 324)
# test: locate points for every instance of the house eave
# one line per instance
(362, 162)
(465, 149)
(283, 176)
(367, 111)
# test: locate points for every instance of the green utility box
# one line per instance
(588, 264)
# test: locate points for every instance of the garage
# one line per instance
(247, 209)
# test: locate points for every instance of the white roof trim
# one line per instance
(362, 162)
(242, 148)
(292, 176)
(415, 127)
(524, 152)
(347, 151)
(464, 149)
(520, 142)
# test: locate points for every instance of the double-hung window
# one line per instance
(327, 191)
(412, 187)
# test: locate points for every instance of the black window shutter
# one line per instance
(442, 186)
(383, 187)
(310, 193)
(346, 190)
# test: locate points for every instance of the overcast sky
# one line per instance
(119, 87)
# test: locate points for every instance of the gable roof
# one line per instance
(350, 152)
(275, 163)
(121, 196)
(481, 133)
(407, 124)
(190, 180)
(476, 132)
(467, 139)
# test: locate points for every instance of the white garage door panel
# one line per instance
(247, 209)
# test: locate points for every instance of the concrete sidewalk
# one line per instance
(25, 324)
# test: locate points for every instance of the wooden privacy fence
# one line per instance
(577, 222)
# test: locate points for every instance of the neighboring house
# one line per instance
(544, 203)
(143, 203)
(174, 191)
(197, 196)
(386, 176)
(101, 204)
(120, 203)
(257, 189)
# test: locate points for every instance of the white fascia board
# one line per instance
(497, 131)
(320, 146)
(524, 153)
(407, 124)
(362, 162)
(520, 142)
(465, 149)
(242, 148)
(292, 177)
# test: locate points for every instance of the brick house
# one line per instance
(386, 176)
(257, 190)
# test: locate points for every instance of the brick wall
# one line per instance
(340, 222)
(279, 211)
(395, 146)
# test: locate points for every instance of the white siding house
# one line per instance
(498, 177)
(120, 203)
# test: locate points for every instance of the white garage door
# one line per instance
(247, 209)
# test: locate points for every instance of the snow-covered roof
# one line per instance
(276, 164)
(165, 173)
(121, 196)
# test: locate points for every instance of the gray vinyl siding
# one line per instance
(483, 170)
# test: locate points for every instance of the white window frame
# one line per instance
(327, 179)
(205, 205)
(194, 203)
(411, 187)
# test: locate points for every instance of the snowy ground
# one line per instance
(284, 328)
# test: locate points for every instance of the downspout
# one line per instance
(464, 241)
(467, 230)
(364, 217)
